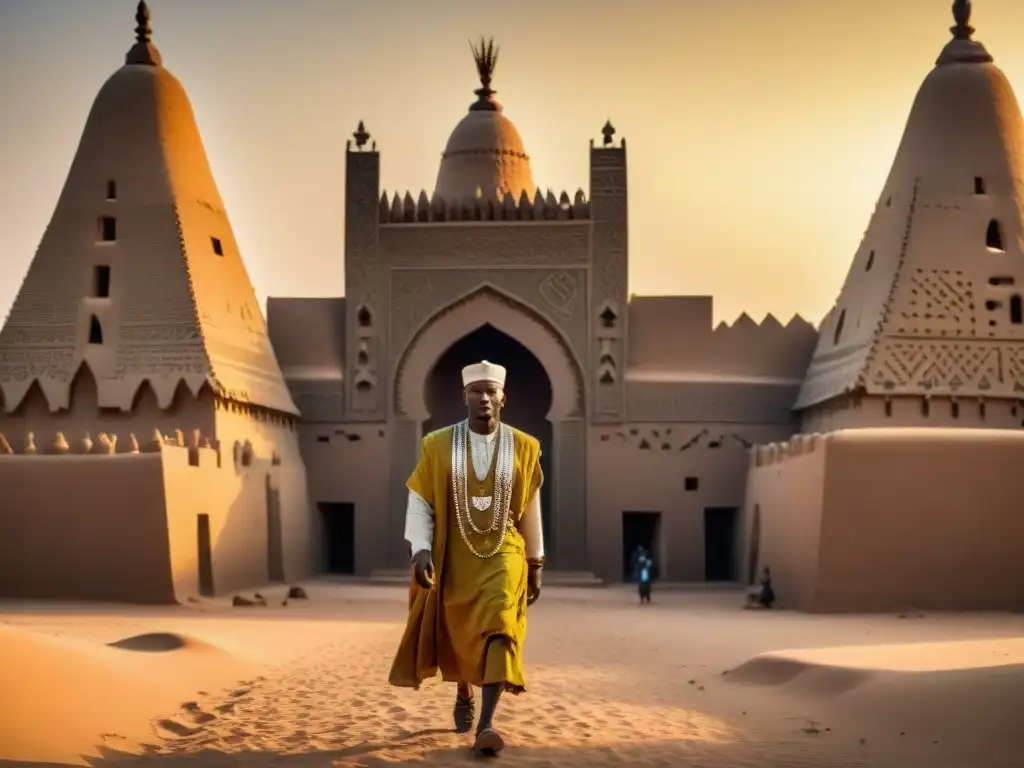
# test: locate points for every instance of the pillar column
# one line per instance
(569, 528)
(406, 435)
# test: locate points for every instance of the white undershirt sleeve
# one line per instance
(419, 524)
(531, 528)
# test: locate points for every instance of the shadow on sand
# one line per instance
(665, 754)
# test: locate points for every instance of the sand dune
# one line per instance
(689, 681)
(92, 690)
(157, 642)
(964, 697)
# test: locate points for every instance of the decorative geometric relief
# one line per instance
(937, 295)
(559, 292)
(525, 244)
(1013, 358)
(417, 296)
(928, 366)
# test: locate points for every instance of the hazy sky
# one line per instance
(759, 131)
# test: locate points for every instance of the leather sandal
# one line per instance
(488, 742)
(464, 714)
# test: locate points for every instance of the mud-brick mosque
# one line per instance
(161, 441)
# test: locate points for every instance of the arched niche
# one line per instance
(488, 306)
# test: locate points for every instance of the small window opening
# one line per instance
(323, 438)
(363, 387)
(606, 377)
(994, 236)
(101, 282)
(979, 185)
(1000, 280)
(871, 262)
(839, 327)
(955, 409)
(926, 408)
(888, 408)
(607, 318)
(363, 317)
(111, 190)
(991, 305)
(1016, 311)
(108, 229)
(95, 331)
(362, 358)
(981, 410)
(691, 484)
(217, 247)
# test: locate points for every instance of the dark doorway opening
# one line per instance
(528, 390)
(205, 549)
(754, 550)
(639, 529)
(720, 525)
(339, 521)
(275, 543)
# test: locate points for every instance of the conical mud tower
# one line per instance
(138, 280)
(928, 329)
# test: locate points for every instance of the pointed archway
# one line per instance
(489, 324)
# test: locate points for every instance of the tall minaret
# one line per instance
(929, 318)
(138, 278)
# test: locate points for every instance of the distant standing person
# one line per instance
(645, 575)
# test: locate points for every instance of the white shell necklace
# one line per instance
(503, 472)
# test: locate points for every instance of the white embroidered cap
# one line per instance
(483, 371)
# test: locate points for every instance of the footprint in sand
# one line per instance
(171, 729)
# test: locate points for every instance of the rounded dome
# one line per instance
(484, 152)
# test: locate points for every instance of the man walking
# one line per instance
(474, 527)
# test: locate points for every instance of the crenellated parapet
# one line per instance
(744, 348)
(483, 206)
(776, 453)
(108, 445)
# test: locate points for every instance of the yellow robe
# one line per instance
(474, 599)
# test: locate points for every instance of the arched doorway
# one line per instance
(528, 387)
(490, 324)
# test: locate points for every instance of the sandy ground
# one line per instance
(688, 681)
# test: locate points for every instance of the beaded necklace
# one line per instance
(503, 476)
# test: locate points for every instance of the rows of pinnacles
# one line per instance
(104, 444)
(484, 206)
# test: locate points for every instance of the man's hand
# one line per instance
(423, 569)
(533, 582)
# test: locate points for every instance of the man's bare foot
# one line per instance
(488, 742)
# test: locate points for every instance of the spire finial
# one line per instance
(143, 52)
(963, 48)
(143, 31)
(361, 135)
(962, 16)
(609, 133)
(486, 57)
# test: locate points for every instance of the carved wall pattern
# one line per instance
(677, 439)
(365, 276)
(937, 302)
(948, 367)
(609, 264)
(559, 296)
(526, 244)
